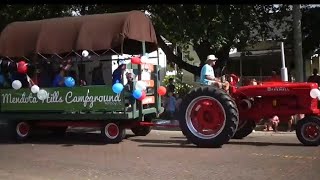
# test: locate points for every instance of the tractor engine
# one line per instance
(276, 98)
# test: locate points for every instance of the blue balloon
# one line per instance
(69, 81)
(117, 88)
(137, 93)
(2, 79)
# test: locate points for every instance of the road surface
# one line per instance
(160, 155)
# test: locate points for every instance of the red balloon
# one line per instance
(22, 67)
(162, 90)
(135, 60)
(143, 95)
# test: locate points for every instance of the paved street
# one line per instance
(160, 155)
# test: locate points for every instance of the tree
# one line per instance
(310, 31)
(296, 13)
(10, 13)
(211, 29)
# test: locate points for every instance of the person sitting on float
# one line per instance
(59, 78)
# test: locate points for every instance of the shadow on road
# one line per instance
(69, 139)
(263, 143)
(165, 143)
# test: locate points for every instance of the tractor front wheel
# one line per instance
(208, 117)
(308, 131)
(245, 130)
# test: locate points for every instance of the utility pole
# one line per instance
(297, 44)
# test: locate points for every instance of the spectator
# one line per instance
(275, 77)
(171, 87)
(290, 123)
(274, 123)
(170, 105)
(315, 77)
(178, 101)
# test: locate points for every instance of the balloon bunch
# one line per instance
(140, 90)
(140, 59)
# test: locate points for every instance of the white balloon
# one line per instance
(314, 93)
(42, 94)
(85, 53)
(16, 84)
(144, 59)
(35, 89)
(141, 85)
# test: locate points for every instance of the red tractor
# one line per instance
(210, 117)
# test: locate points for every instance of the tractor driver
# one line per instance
(207, 76)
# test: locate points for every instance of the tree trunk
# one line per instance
(223, 58)
(296, 13)
(176, 59)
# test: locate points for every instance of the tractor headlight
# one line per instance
(315, 93)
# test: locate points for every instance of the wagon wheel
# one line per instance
(208, 117)
(142, 130)
(308, 131)
(20, 130)
(113, 133)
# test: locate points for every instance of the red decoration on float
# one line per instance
(135, 60)
(22, 67)
(143, 95)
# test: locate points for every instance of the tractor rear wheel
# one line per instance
(245, 130)
(208, 117)
(308, 131)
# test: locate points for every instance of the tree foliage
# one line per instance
(22, 12)
(212, 29)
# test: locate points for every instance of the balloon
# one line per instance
(2, 80)
(22, 67)
(314, 93)
(162, 90)
(85, 53)
(144, 59)
(117, 88)
(135, 60)
(42, 94)
(137, 93)
(16, 84)
(143, 95)
(141, 85)
(69, 81)
(35, 89)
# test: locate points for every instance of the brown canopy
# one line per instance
(92, 32)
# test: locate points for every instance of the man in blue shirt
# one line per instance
(207, 76)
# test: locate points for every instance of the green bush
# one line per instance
(181, 88)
